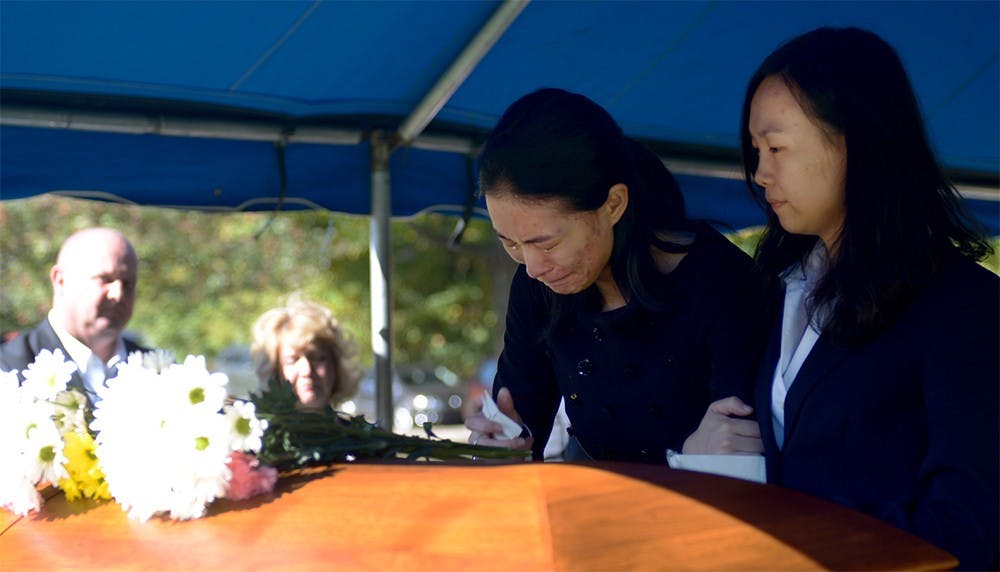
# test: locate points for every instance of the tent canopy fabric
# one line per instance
(244, 105)
(379, 107)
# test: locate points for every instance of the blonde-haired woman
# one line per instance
(302, 343)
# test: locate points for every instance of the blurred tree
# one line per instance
(205, 277)
(748, 238)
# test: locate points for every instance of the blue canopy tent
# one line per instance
(379, 107)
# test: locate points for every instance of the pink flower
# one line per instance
(249, 478)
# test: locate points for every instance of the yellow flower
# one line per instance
(86, 480)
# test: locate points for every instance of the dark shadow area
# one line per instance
(288, 482)
(57, 507)
(808, 524)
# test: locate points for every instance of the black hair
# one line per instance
(902, 214)
(555, 145)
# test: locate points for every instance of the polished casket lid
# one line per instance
(525, 516)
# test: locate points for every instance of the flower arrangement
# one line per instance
(167, 438)
(41, 422)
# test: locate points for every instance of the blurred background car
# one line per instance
(363, 402)
(236, 362)
(434, 393)
(421, 393)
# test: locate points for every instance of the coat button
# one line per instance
(671, 359)
(574, 396)
(655, 410)
(584, 367)
(629, 371)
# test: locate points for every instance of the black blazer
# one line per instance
(637, 383)
(21, 351)
(904, 427)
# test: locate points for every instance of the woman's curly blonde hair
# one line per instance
(302, 322)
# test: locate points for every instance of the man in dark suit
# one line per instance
(93, 293)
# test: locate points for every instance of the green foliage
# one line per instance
(992, 261)
(747, 238)
(205, 277)
(298, 438)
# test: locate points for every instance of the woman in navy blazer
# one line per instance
(879, 387)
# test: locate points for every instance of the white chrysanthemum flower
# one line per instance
(31, 417)
(201, 454)
(129, 421)
(163, 442)
(157, 360)
(131, 397)
(197, 387)
(69, 411)
(17, 493)
(135, 359)
(48, 374)
(35, 412)
(44, 453)
(245, 429)
(9, 388)
(14, 484)
(17, 415)
(14, 413)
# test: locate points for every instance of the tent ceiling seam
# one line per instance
(976, 74)
(673, 47)
(459, 70)
(276, 46)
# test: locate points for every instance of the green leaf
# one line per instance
(296, 438)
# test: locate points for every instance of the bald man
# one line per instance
(93, 292)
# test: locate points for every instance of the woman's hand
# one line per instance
(721, 430)
(484, 431)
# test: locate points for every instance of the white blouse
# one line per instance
(797, 337)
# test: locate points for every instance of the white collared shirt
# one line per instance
(92, 370)
(797, 337)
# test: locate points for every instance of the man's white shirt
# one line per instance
(93, 371)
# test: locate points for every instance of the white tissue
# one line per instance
(511, 429)
(746, 467)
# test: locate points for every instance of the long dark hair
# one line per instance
(555, 145)
(902, 214)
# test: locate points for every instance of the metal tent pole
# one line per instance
(460, 69)
(380, 278)
(382, 148)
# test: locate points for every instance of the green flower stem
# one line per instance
(296, 438)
